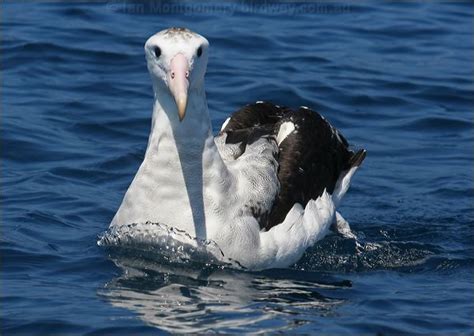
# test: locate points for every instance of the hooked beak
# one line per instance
(178, 83)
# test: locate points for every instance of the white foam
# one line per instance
(160, 239)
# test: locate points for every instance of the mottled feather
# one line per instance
(311, 158)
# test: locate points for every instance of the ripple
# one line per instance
(159, 293)
(42, 327)
(349, 256)
(436, 124)
(16, 259)
(15, 55)
(395, 78)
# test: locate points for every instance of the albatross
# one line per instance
(264, 189)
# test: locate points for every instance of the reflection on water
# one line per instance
(396, 77)
(177, 284)
(196, 297)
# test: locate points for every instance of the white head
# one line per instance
(177, 61)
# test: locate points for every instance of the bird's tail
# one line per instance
(344, 180)
(357, 159)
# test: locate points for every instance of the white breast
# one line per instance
(158, 191)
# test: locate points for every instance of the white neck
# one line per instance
(188, 134)
(179, 163)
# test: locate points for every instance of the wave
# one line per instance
(161, 243)
(156, 240)
(436, 124)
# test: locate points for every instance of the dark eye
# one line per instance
(157, 52)
(199, 52)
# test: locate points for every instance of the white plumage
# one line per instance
(195, 182)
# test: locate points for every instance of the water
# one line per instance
(396, 78)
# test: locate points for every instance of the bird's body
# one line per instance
(264, 189)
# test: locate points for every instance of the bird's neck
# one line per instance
(188, 135)
(178, 158)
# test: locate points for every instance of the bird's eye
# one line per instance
(199, 52)
(157, 52)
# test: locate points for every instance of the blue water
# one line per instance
(395, 78)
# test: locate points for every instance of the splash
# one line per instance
(357, 255)
(160, 241)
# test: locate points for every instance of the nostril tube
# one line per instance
(172, 75)
(187, 74)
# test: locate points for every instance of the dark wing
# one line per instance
(252, 122)
(311, 158)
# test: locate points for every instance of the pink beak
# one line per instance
(178, 83)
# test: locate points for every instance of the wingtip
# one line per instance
(358, 158)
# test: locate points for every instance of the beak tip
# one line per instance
(181, 110)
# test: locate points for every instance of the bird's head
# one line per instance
(177, 61)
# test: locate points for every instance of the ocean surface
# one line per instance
(395, 77)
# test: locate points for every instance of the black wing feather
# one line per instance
(310, 159)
